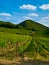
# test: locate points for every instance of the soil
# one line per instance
(24, 62)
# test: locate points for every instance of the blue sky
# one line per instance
(17, 11)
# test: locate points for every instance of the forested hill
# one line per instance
(27, 25)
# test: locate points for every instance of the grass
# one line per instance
(29, 45)
(13, 38)
(8, 43)
(15, 31)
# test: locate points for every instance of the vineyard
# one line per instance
(25, 41)
(29, 46)
(8, 42)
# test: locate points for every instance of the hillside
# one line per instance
(7, 24)
(37, 28)
(27, 24)
(28, 39)
(34, 28)
(32, 25)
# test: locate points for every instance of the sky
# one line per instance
(16, 11)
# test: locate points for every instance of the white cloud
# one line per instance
(27, 17)
(5, 14)
(44, 6)
(44, 20)
(28, 6)
(33, 14)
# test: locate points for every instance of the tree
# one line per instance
(47, 32)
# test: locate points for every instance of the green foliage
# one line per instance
(4, 37)
(31, 37)
(47, 32)
(7, 24)
(26, 27)
(32, 25)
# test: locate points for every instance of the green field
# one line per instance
(9, 40)
(28, 45)
(27, 41)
